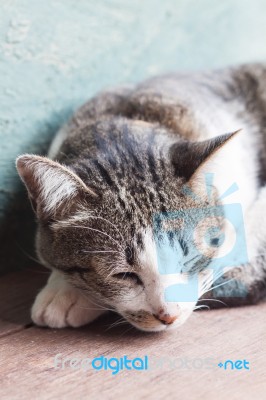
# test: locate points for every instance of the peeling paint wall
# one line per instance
(56, 54)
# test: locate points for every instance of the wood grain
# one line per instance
(27, 359)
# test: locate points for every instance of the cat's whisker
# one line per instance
(101, 307)
(100, 251)
(222, 284)
(119, 320)
(109, 222)
(27, 254)
(117, 323)
(218, 301)
(129, 329)
(207, 284)
(200, 307)
(101, 232)
(116, 270)
(90, 308)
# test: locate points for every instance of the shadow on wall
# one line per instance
(17, 229)
(17, 222)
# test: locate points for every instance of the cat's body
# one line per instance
(127, 155)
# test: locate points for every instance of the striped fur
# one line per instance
(125, 157)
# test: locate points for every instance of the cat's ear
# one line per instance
(52, 188)
(188, 157)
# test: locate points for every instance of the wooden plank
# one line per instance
(17, 292)
(27, 360)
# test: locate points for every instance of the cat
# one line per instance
(135, 153)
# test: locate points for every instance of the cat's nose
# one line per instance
(165, 318)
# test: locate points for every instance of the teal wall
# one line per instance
(55, 54)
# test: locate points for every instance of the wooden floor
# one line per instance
(182, 364)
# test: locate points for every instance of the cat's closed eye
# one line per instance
(128, 276)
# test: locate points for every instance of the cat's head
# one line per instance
(104, 223)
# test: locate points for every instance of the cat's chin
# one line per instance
(157, 328)
(161, 327)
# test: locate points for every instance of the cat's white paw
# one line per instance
(59, 305)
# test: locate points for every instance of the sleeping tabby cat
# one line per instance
(125, 157)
